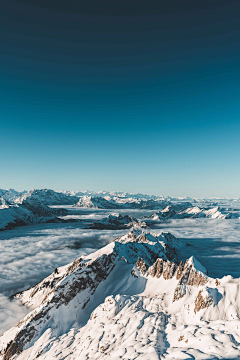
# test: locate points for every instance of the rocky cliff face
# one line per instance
(186, 274)
(137, 276)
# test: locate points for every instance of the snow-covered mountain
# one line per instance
(10, 194)
(193, 213)
(46, 197)
(3, 203)
(131, 299)
(96, 202)
(214, 213)
(51, 197)
(27, 213)
(112, 194)
(106, 202)
(117, 221)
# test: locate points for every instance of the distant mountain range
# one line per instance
(173, 212)
(22, 208)
(89, 198)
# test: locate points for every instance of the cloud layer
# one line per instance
(29, 254)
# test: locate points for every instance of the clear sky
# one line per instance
(138, 96)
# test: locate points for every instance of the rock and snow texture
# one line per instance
(12, 216)
(170, 212)
(117, 222)
(115, 202)
(132, 299)
(10, 194)
(3, 203)
(214, 213)
(46, 197)
(27, 213)
(96, 202)
(50, 197)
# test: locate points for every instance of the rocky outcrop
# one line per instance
(202, 302)
(116, 222)
(142, 266)
(187, 274)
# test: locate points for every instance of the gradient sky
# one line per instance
(138, 96)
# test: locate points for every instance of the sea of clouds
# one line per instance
(29, 254)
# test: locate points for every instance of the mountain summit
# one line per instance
(131, 299)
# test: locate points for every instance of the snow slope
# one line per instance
(131, 299)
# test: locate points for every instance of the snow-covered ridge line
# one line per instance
(71, 294)
(12, 195)
(171, 212)
(26, 213)
(98, 202)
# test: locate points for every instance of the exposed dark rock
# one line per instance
(142, 266)
(201, 302)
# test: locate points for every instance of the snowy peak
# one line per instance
(196, 265)
(171, 212)
(214, 213)
(129, 277)
(115, 202)
(46, 197)
(117, 221)
(9, 194)
(150, 246)
(96, 202)
(27, 213)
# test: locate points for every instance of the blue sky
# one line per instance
(134, 98)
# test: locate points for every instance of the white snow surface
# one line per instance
(131, 316)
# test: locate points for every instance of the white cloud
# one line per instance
(29, 254)
(10, 313)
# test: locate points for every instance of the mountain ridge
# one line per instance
(127, 279)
